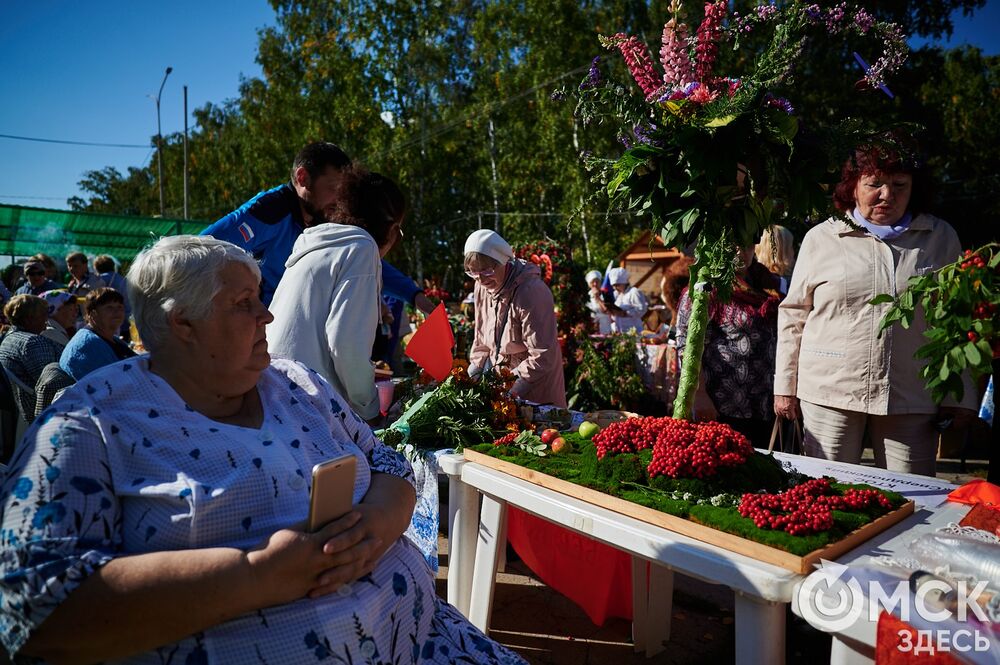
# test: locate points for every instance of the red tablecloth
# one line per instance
(891, 648)
(595, 576)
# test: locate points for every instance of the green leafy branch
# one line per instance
(960, 304)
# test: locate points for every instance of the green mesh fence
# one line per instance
(26, 231)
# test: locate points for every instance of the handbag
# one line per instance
(788, 442)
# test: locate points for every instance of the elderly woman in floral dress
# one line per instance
(154, 513)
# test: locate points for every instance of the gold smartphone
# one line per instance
(332, 494)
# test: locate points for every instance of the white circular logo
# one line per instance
(830, 604)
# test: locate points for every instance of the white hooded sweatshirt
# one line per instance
(326, 310)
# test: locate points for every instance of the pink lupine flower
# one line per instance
(677, 67)
(639, 62)
(709, 32)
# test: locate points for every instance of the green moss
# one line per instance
(730, 521)
(623, 476)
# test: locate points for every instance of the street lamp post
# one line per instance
(159, 139)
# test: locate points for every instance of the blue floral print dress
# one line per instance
(121, 465)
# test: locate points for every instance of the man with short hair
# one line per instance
(37, 282)
(82, 281)
(268, 225)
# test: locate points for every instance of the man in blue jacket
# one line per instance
(268, 224)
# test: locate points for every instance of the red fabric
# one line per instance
(430, 347)
(889, 645)
(977, 491)
(595, 576)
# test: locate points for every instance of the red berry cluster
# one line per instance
(972, 260)
(635, 434)
(681, 449)
(697, 450)
(506, 439)
(806, 508)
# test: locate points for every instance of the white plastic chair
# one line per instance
(17, 384)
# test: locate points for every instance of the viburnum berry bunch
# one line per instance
(681, 448)
(713, 446)
(806, 508)
(633, 435)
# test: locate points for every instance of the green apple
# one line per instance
(588, 429)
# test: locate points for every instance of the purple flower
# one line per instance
(779, 103)
(679, 92)
(766, 12)
(643, 134)
(557, 95)
(624, 140)
(813, 13)
(864, 21)
(834, 16)
(593, 76)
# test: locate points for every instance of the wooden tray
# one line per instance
(797, 564)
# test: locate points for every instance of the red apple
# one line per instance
(548, 435)
(561, 445)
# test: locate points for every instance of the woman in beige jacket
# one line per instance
(851, 383)
(515, 320)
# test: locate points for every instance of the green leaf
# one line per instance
(943, 374)
(972, 354)
(688, 220)
(720, 122)
(880, 298)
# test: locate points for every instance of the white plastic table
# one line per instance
(855, 644)
(761, 589)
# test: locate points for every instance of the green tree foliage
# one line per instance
(452, 99)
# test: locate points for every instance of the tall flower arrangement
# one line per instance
(711, 158)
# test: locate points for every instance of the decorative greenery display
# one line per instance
(710, 502)
(961, 303)
(457, 413)
(714, 159)
(608, 375)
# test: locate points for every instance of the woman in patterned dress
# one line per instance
(154, 513)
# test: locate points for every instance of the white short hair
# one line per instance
(178, 274)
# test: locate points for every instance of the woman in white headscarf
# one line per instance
(515, 320)
(596, 304)
(630, 303)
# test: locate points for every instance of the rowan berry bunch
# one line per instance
(697, 450)
(806, 508)
(506, 439)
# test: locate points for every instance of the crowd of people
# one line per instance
(155, 510)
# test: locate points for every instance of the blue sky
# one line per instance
(81, 71)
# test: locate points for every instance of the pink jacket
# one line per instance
(521, 315)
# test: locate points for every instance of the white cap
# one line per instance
(592, 275)
(618, 276)
(489, 243)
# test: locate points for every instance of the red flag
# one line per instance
(430, 347)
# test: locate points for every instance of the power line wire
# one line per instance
(90, 143)
(472, 112)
